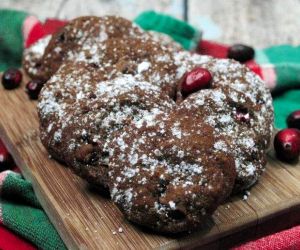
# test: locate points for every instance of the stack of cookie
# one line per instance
(112, 110)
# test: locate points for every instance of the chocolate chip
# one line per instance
(241, 53)
(61, 38)
(260, 101)
(94, 65)
(176, 214)
(242, 110)
(93, 159)
(92, 96)
(88, 55)
(84, 153)
(58, 94)
(85, 109)
(125, 66)
(162, 186)
(85, 136)
(38, 64)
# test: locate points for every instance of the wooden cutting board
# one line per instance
(87, 219)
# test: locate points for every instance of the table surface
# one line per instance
(259, 23)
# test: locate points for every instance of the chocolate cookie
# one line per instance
(78, 34)
(239, 107)
(84, 38)
(112, 110)
(79, 110)
(165, 172)
(232, 124)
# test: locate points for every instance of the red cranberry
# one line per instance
(293, 120)
(198, 78)
(33, 89)
(241, 53)
(242, 115)
(11, 78)
(287, 144)
(6, 160)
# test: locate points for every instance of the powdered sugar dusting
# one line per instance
(108, 112)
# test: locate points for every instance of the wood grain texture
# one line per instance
(87, 219)
(254, 22)
(69, 9)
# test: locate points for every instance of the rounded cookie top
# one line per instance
(81, 32)
(238, 106)
(165, 173)
(79, 110)
(83, 39)
(165, 40)
(143, 58)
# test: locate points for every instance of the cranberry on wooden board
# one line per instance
(198, 78)
(11, 78)
(33, 88)
(293, 120)
(287, 144)
(6, 160)
(241, 53)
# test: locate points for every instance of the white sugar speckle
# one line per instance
(220, 146)
(172, 204)
(143, 66)
(180, 153)
(176, 132)
(57, 135)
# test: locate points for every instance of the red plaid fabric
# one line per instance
(284, 240)
(11, 241)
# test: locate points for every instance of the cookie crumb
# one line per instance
(246, 195)
(227, 206)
